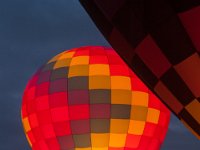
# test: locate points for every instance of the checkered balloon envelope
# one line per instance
(160, 41)
(88, 99)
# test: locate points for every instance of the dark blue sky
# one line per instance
(31, 32)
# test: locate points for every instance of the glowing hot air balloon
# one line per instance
(160, 41)
(88, 99)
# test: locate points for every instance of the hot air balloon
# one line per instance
(160, 41)
(88, 99)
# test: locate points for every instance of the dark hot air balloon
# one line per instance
(160, 41)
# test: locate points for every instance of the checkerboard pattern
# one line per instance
(88, 99)
(160, 41)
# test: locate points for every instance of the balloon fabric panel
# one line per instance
(159, 40)
(87, 98)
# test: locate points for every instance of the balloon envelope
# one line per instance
(160, 41)
(87, 98)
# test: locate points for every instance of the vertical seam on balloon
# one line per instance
(68, 100)
(49, 99)
(110, 99)
(129, 112)
(89, 98)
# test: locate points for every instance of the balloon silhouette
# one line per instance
(160, 41)
(88, 99)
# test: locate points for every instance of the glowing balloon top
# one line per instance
(88, 99)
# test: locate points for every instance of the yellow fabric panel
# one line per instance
(136, 127)
(26, 124)
(117, 140)
(120, 82)
(100, 140)
(99, 82)
(99, 148)
(62, 63)
(139, 113)
(193, 108)
(140, 98)
(80, 60)
(119, 125)
(99, 69)
(55, 58)
(79, 70)
(66, 55)
(153, 115)
(121, 97)
(88, 148)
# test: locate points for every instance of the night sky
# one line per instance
(31, 32)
